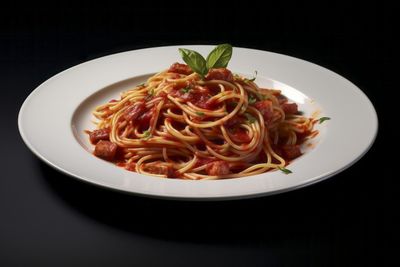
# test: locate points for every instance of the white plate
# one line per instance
(52, 119)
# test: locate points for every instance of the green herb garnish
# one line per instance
(140, 85)
(284, 170)
(252, 99)
(186, 90)
(200, 113)
(146, 134)
(250, 118)
(260, 96)
(218, 58)
(321, 120)
(252, 79)
(151, 92)
(195, 61)
(232, 104)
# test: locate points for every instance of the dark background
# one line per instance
(48, 219)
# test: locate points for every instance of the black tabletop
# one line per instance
(49, 219)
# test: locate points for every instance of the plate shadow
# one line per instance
(266, 219)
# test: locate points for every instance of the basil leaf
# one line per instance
(219, 56)
(284, 170)
(195, 61)
(200, 113)
(321, 120)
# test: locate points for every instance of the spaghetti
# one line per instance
(181, 125)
